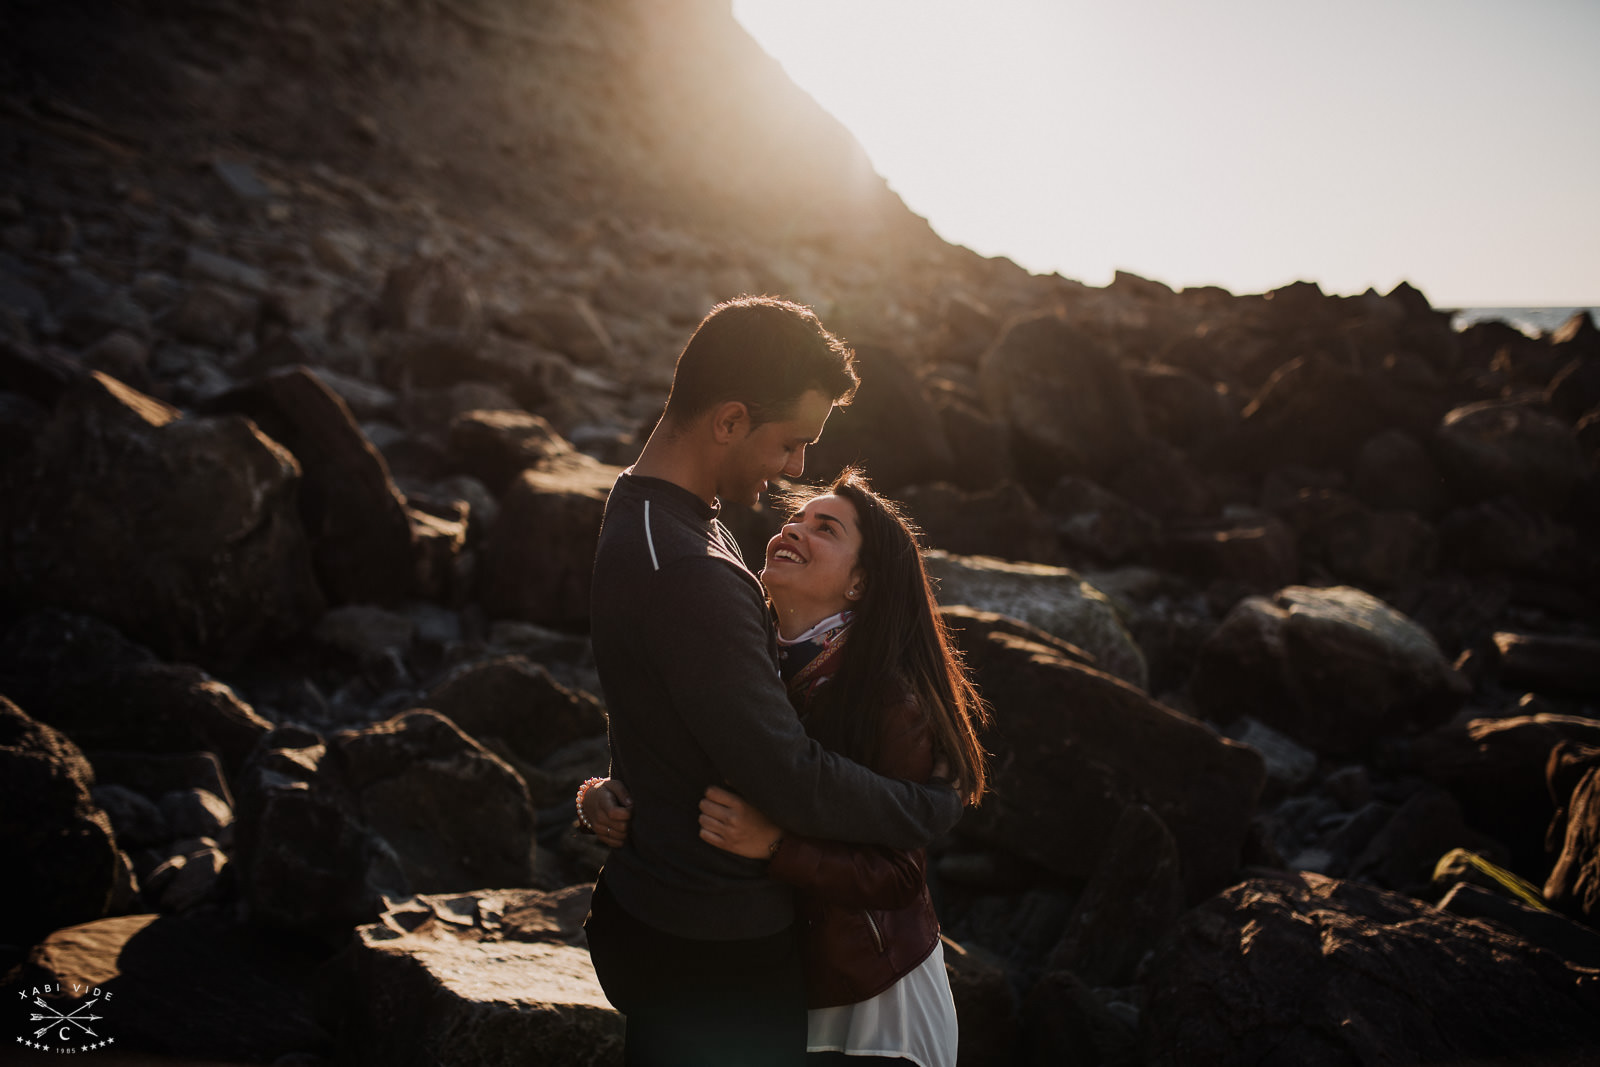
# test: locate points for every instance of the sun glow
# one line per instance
(1245, 143)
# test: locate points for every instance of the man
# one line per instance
(695, 945)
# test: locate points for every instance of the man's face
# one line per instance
(772, 449)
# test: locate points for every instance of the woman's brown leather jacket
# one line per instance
(867, 911)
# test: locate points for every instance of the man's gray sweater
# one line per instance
(687, 658)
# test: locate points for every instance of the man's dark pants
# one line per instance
(693, 1003)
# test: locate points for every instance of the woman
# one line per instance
(872, 672)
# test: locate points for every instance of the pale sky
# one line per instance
(1454, 144)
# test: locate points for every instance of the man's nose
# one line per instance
(797, 463)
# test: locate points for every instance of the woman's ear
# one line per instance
(727, 419)
(858, 585)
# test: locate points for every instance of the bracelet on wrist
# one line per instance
(772, 849)
(583, 791)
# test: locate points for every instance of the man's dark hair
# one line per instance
(762, 351)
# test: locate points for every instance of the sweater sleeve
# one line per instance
(711, 652)
(867, 876)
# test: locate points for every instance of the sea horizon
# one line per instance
(1532, 321)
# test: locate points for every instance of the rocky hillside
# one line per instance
(324, 330)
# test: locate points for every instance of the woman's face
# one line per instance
(813, 566)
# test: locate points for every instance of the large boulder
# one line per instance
(540, 555)
(1055, 599)
(1336, 669)
(328, 828)
(56, 844)
(1509, 447)
(1548, 664)
(496, 445)
(514, 702)
(488, 977)
(182, 532)
(1308, 970)
(1135, 894)
(362, 543)
(999, 521)
(1180, 407)
(1072, 749)
(1068, 402)
(107, 693)
(1312, 410)
(890, 428)
(188, 987)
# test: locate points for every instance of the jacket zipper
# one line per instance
(877, 936)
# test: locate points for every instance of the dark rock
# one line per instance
(42, 375)
(1134, 895)
(135, 818)
(1507, 447)
(1496, 770)
(985, 1004)
(154, 774)
(1180, 407)
(1575, 390)
(1054, 599)
(197, 813)
(1402, 854)
(191, 986)
(431, 294)
(1573, 773)
(1536, 925)
(1066, 398)
(1097, 521)
(890, 428)
(565, 324)
(1335, 669)
(326, 830)
(187, 880)
(1549, 664)
(212, 316)
(967, 326)
(1073, 748)
(496, 446)
(107, 693)
(1064, 1021)
(1304, 970)
(1369, 549)
(541, 551)
(181, 532)
(1311, 411)
(979, 445)
(516, 702)
(959, 617)
(361, 539)
(1256, 551)
(999, 521)
(1162, 480)
(1288, 764)
(1503, 534)
(1393, 472)
(365, 631)
(56, 845)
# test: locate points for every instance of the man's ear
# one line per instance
(728, 420)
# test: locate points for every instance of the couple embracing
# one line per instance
(783, 748)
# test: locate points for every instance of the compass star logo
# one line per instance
(65, 1030)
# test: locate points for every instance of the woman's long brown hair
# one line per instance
(897, 642)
